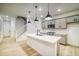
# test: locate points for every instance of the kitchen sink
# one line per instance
(39, 34)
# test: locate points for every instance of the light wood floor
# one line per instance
(8, 47)
(27, 49)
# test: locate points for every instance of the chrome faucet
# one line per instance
(38, 31)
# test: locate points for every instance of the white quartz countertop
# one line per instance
(47, 38)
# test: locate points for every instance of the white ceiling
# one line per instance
(21, 9)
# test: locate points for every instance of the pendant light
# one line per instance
(29, 22)
(36, 13)
(48, 16)
(29, 19)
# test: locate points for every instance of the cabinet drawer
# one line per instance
(76, 18)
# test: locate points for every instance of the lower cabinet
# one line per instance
(44, 48)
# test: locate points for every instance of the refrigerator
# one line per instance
(73, 34)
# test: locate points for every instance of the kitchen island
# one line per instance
(44, 44)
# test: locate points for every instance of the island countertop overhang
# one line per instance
(46, 38)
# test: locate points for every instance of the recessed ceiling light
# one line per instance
(41, 15)
(40, 9)
(58, 10)
(28, 16)
(6, 16)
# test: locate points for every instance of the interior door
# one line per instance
(6, 28)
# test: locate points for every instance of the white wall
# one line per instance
(12, 24)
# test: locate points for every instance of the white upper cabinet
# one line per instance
(46, 23)
(63, 23)
(73, 19)
(53, 22)
(70, 19)
(57, 23)
(76, 18)
(60, 23)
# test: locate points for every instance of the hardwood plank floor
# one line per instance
(27, 49)
(8, 47)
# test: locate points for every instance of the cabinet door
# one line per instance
(52, 21)
(57, 23)
(70, 19)
(63, 22)
(76, 18)
(48, 22)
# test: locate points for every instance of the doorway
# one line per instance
(6, 28)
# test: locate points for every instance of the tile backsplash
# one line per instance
(57, 31)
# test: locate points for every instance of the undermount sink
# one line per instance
(50, 33)
(39, 35)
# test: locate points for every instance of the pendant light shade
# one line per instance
(48, 16)
(29, 13)
(36, 13)
(36, 19)
(29, 21)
